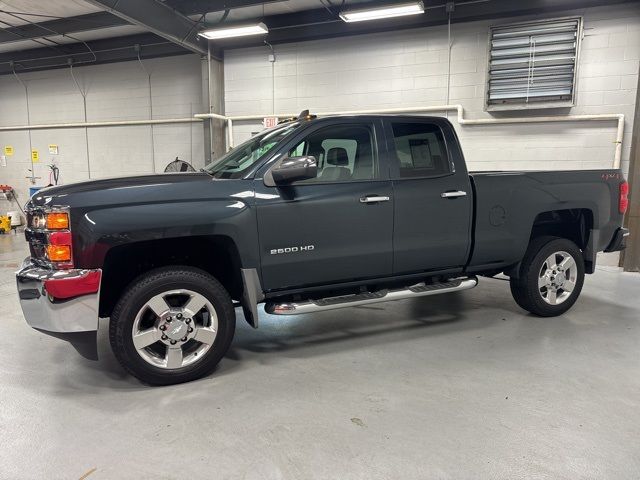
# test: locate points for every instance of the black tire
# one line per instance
(156, 282)
(525, 289)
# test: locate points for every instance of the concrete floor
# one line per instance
(460, 386)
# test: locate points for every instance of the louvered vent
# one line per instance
(533, 63)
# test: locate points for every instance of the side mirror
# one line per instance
(292, 169)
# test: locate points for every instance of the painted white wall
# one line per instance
(116, 91)
(409, 68)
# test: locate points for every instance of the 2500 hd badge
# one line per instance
(302, 248)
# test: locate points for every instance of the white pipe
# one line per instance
(120, 123)
(435, 108)
(229, 120)
(230, 132)
(209, 102)
(202, 116)
(618, 117)
(619, 139)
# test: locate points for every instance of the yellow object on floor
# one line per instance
(5, 224)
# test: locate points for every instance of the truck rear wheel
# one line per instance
(172, 325)
(551, 277)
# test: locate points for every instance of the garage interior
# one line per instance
(462, 385)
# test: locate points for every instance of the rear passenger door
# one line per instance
(432, 196)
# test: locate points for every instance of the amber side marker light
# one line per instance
(59, 253)
(57, 221)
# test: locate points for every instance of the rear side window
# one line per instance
(420, 150)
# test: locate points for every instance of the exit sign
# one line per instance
(269, 122)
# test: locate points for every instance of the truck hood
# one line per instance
(139, 190)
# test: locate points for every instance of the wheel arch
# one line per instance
(575, 224)
(217, 255)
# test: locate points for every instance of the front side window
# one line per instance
(243, 157)
(420, 150)
(343, 152)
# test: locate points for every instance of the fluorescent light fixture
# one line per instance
(237, 31)
(390, 11)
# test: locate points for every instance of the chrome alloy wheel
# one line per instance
(557, 278)
(175, 328)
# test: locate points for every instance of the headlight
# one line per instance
(38, 221)
(50, 221)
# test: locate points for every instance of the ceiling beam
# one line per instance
(99, 20)
(193, 7)
(157, 18)
(63, 26)
(109, 50)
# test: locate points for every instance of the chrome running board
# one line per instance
(366, 298)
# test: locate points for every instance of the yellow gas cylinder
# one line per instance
(5, 224)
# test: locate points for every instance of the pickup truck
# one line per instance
(311, 215)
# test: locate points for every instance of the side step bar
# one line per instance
(331, 303)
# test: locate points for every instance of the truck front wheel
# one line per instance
(172, 325)
(551, 277)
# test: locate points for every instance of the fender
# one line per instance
(99, 230)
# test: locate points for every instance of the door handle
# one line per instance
(374, 199)
(454, 194)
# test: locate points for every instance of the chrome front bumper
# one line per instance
(72, 319)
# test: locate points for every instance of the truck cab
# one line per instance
(375, 177)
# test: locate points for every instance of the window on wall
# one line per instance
(533, 64)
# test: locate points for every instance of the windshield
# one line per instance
(236, 162)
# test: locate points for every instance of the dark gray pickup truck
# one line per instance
(312, 215)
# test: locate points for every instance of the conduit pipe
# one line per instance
(618, 117)
(83, 92)
(148, 74)
(26, 96)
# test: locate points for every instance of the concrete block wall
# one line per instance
(409, 68)
(114, 92)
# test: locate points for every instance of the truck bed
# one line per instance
(508, 203)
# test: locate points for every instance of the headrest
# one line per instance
(337, 156)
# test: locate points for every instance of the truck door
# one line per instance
(432, 196)
(336, 227)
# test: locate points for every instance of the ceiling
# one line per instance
(37, 34)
